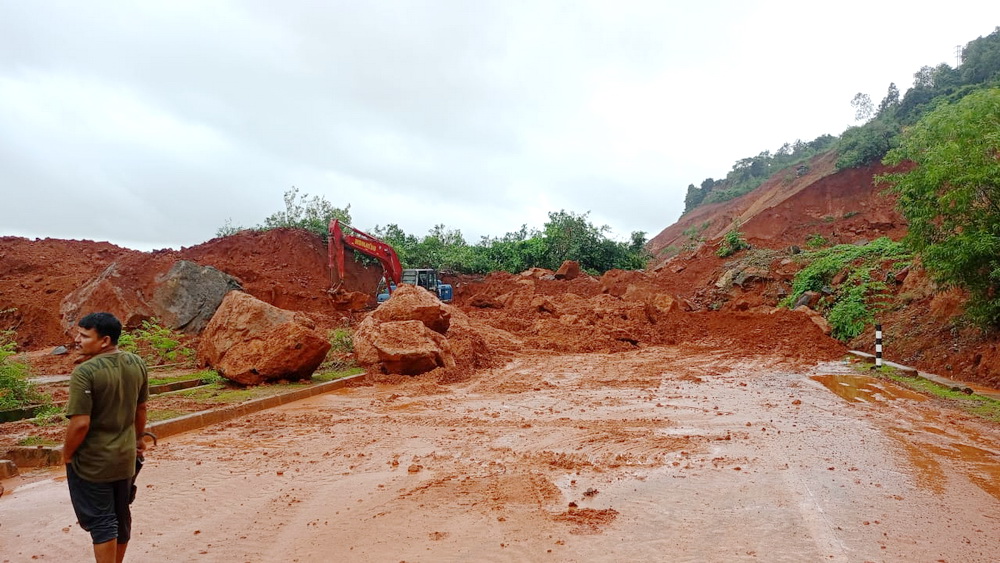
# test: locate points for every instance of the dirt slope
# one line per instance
(922, 322)
(785, 210)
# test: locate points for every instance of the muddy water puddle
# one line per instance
(863, 389)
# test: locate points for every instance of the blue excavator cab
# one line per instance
(425, 278)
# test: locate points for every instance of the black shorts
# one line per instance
(101, 508)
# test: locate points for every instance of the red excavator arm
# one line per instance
(366, 244)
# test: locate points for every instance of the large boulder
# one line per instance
(183, 297)
(251, 342)
(188, 295)
(402, 347)
(106, 292)
(413, 303)
(569, 270)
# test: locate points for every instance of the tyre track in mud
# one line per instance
(660, 453)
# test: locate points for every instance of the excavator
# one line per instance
(393, 272)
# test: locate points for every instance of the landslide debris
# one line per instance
(251, 342)
(286, 268)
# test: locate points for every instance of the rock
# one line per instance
(538, 273)
(183, 298)
(103, 293)
(617, 282)
(364, 342)
(808, 299)
(250, 342)
(726, 279)
(412, 303)
(839, 278)
(816, 318)
(569, 270)
(59, 351)
(188, 295)
(900, 276)
(344, 300)
(7, 469)
(402, 347)
(542, 304)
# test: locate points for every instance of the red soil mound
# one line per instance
(283, 267)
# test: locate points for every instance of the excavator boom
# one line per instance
(365, 244)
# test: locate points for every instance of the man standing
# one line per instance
(107, 416)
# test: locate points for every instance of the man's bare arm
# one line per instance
(77, 430)
(140, 426)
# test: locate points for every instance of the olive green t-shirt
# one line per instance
(108, 387)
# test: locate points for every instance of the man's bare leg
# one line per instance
(105, 552)
(121, 552)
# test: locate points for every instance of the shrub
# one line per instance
(731, 243)
(342, 340)
(816, 241)
(853, 303)
(15, 389)
(155, 344)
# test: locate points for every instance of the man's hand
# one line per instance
(140, 446)
(76, 431)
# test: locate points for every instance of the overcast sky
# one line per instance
(150, 124)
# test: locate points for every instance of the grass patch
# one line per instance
(333, 375)
(978, 405)
(157, 415)
(51, 415)
(37, 441)
(156, 344)
(205, 376)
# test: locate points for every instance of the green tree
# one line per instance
(860, 146)
(890, 101)
(302, 212)
(952, 197)
(863, 109)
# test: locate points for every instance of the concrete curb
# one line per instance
(40, 456)
(914, 372)
(197, 420)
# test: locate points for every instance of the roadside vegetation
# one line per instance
(951, 198)
(15, 389)
(956, 397)
(851, 304)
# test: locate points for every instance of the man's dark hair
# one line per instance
(105, 324)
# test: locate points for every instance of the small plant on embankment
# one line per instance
(731, 243)
(340, 358)
(342, 340)
(205, 376)
(32, 441)
(851, 305)
(50, 415)
(156, 344)
(15, 389)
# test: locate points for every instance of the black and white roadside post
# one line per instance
(878, 345)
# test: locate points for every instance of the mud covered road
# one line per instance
(668, 453)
